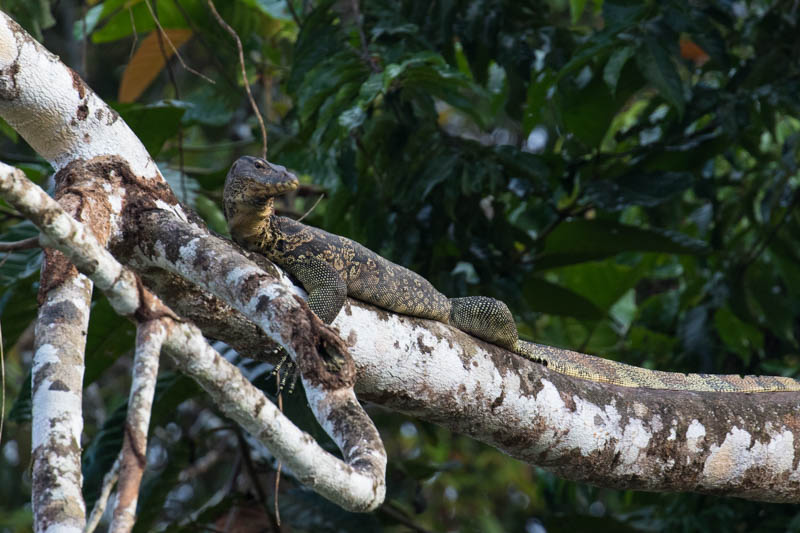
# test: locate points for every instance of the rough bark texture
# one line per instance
(57, 387)
(149, 338)
(213, 263)
(736, 444)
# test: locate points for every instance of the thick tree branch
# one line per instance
(53, 109)
(733, 444)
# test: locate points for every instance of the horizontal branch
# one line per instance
(732, 444)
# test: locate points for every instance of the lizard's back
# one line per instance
(369, 277)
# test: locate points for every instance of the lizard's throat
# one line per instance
(252, 227)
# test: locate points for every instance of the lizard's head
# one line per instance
(251, 184)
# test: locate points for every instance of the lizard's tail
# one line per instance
(607, 371)
(490, 320)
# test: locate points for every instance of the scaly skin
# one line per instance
(331, 268)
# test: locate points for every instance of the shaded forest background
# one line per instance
(622, 174)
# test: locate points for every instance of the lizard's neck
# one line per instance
(254, 227)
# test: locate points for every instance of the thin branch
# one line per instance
(211, 53)
(25, 244)
(311, 208)
(133, 31)
(244, 76)
(294, 14)
(365, 55)
(761, 245)
(250, 468)
(175, 50)
(149, 339)
(102, 501)
(397, 514)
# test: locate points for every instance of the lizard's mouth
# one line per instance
(274, 189)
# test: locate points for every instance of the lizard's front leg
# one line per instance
(325, 286)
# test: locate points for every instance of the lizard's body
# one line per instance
(331, 268)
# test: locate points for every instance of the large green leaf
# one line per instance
(602, 283)
(577, 241)
(120, 23)
(740, 337)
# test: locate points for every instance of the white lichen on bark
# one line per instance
(57, 392)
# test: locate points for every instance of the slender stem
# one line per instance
(25, 244)
(244, 76)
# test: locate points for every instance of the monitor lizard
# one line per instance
(331, 268)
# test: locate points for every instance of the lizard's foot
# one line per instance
(285, 371)
(485, 318)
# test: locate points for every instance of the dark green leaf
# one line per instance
(99, 456)
(656, 64)
(118, 26)
(546, 297)
(576, 8)
(637, 189)
(621, 13)
(602, 283)
(109, 336)
(614, 66)
(740, 337)
(208, 106)
(587, 112)
(153, 123)
(577, 241)
(21, 409)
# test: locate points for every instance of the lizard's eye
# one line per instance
(260, 165)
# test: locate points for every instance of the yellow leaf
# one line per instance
(148, 61)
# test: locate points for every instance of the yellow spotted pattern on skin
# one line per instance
(331, 268)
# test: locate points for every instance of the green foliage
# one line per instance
(624, 193)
